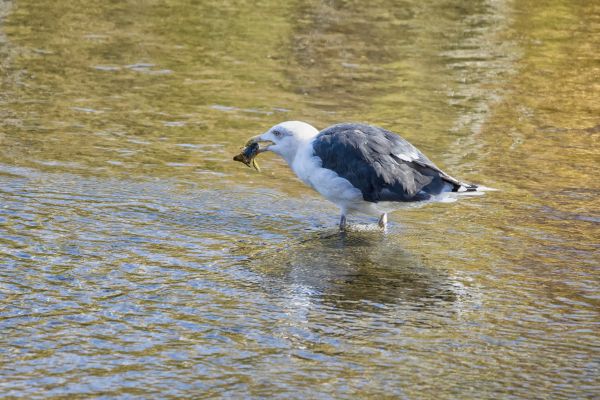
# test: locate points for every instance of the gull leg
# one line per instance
(343, 223)
(382, 221)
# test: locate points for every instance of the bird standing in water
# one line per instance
(360, 168)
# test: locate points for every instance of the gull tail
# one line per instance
(466, 188)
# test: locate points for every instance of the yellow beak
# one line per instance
(257, 139)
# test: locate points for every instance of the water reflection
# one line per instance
(134, 247)
(367, 271)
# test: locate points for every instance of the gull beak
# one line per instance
(258, 139)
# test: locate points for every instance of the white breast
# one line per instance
(325, 181)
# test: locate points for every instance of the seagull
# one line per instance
(363, 169)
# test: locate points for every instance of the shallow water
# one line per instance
(140, 261)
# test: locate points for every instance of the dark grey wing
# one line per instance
(381, 164)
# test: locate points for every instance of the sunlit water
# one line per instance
(138, 260)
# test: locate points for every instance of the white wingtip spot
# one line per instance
(486, 189)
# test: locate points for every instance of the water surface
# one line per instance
(138, 260)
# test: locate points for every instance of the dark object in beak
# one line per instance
(248, 155)
(251, 150)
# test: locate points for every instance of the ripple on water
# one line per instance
(141, 264)
(111, 273)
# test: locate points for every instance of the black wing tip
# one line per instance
(465, 187)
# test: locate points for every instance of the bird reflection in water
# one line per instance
(362, 270)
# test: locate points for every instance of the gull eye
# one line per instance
(276, 134)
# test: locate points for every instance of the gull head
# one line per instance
(285, 139)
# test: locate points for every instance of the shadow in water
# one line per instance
(354, 270)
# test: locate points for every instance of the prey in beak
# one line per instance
(251, 150)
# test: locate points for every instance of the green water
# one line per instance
(139, 261)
